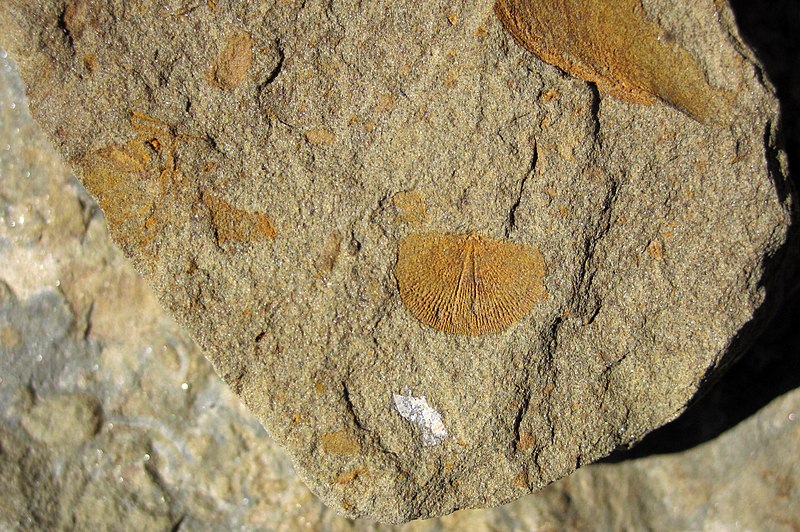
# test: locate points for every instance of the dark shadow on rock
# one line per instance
(771, 366)
(766, 371)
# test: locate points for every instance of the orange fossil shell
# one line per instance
(613, 44)
(468, 284)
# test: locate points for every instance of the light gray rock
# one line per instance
(70, 420)
(202, 136)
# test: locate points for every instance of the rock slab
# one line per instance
(171, 429)
(260, 164)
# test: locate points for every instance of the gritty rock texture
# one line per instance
(169, 429)
(257, 190)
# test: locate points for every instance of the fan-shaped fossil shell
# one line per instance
(613, 44)
(468, 284)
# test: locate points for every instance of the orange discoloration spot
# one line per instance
(144, 122)
(155, 144)
(548, 96)
(480, 32)
(130, 181)
(123, 178)
(525, 441)
(451, 79)
(347, 505)
(655, 249)
(132, 157)
(386, 103)
(90, 62)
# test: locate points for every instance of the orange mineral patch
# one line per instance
(613, 44)
(468, 284)
(237, 225)
(655, 249)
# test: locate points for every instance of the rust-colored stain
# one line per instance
(340, 442)
(237, 225)
(90, 62)
(386, 103)
(613, 44)
(233, 63)
(468, 284)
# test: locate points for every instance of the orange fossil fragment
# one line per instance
(340, 442)
(233, 62)
(468, 284)
(350, 476)
(411, 208)
(613, 44)
(320, 136)
(237, 225)
(123, 178)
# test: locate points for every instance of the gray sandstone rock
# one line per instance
(252, 160)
